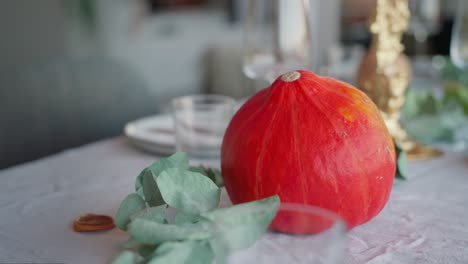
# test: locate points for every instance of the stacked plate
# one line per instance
(154, 134)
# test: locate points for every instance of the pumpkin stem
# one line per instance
(291, 76)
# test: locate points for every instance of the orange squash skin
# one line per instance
(315, 141)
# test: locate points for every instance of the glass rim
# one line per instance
(310, 209)
(200, 100)
(338, 228)
(338, 221)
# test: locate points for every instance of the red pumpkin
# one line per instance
(312, 140)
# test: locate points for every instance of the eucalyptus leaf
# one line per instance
(237, 237)
(130, 244)
(452, 117)
(126, 257)
(177, 160)
(411, 106)
(140, 193)
(155, 214)
(212, 173)
(429, 129)
(193, 252)
(187, 191)
(457, 93)
(151, 190)
(139, 184)
(200, 170)
(196, 229)
(240, 226)
(430, 105)
(429, 119)
(146, 251)
(153, 233)
(419, 103)
(132, 204)
(135, 246)
(184, 218)
(215, 176)
(402, 164)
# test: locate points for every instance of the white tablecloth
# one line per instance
(425, 221)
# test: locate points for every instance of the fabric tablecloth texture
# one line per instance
(425, 221)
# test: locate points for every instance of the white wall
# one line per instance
(166, 49)
(31, 31)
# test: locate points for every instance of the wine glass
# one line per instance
(425, 17)
(459, 57)
(277, 38)
(459, 42)
(314, 236)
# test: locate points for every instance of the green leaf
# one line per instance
(187, 191)
(452, 117)
(155, 214)
(147, 251)
(200, 170)
(193, 252)
(215, 176)
(151, 190)
(139, 184)
(135, 246)
(410, 108)
(212, 173)
(429, 119)
(132, 204)
(178, 160)
(126, 257)
(140, 193)
(130, 244)
(240, 226)
(402, 164)
(153, 233)
(457, 93)
(419, 103)
(429, 129)
(430, 104)
(191, 237)
(184, 218)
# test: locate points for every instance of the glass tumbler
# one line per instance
(311, 235)
(200, 122)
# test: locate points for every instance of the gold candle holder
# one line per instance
(385, 72)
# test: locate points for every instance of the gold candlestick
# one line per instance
(385, 72)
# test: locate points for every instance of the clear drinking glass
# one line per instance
(200, 122)
(277, 38)
(320, 239)
(459, 43)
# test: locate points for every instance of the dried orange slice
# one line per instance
(93, 222)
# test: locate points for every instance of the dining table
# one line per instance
(424, 221)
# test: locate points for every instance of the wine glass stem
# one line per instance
(276, 33)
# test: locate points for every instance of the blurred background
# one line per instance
(76, 71)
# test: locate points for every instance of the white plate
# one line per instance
(154, 134)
